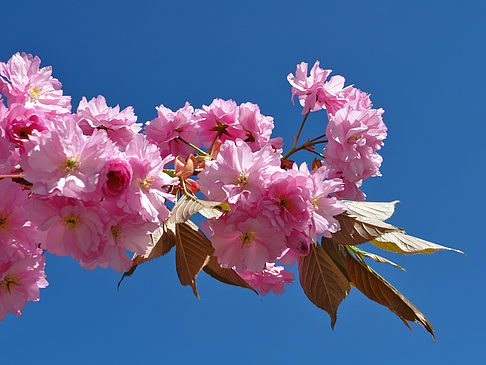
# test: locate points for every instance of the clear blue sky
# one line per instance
(423, 62)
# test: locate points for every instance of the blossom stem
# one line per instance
(190, 144)
(314, 151)
(296, 139)
(13, 176)
(321, 136)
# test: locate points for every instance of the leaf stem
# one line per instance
(190, 144)
(296, 138)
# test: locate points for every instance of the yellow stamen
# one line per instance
(4, 221)
(116, 233)
(34, 93)
(242, 179)
(247, 239)
(70, 221)
(9, 282)
(71, 163)
(145, 184)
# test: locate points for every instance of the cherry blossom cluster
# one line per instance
(92, 185)
(355, 131)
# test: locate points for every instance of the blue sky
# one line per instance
(423, 62)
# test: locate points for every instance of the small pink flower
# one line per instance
(257, 127)
(23, 82)
(21, 276)
(218, 120)
(20, 122)
(119, 126)
(148, 189)
(66, 162)
(314, 92)
(236, 171)
(354, 139)
(165, 130)
(356, 99)
(271, 279)
(115, 177)
(244, 241)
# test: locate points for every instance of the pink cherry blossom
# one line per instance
(314, 92)
(23, 82)
(165, 130)
(21, 276)
(218, 120)
(237, 170)
(66, 162)
(20, 122)
(354, 139)
(115, 177)
(271, 279)
(13, 224)
(148, 189)
(244, 241)
(120, 126)
(257, 127)
(356, 99)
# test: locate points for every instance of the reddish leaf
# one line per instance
(193, 251)
(163, 240)
(323, 281)
(379, 290)
(227, 276)
(358, 229)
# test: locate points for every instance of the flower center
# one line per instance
(116, 233)
(4, 222)
(247, 239)
(145, 184)
(242, 179)
(34, 93)
(9, 282)
(70, 164)
(70, 221)
(354, 138)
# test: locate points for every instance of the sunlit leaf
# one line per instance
(227, 276)
(403, 243)
(162, 242)
(193, 251)
(323, 281)
(376, 210)
(379, 290)
(187, 206)
(357, 229)
(376, 258)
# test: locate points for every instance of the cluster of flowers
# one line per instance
(90, 185)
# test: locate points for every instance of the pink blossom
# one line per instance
(244, 241)
(23, 82)
(13, 224)
(115, 177)
(354, 137)
(20, 122)
(314, 92)
(257, 127)
(287, 202)
(236, 171)
(119, 126)
(218, 120)
(271, 279)
(73, 227)
(66, 162)
(356, 99)
(325, 206)
(165, 130)
(149, 185)
(21, 276)
(4, 143)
